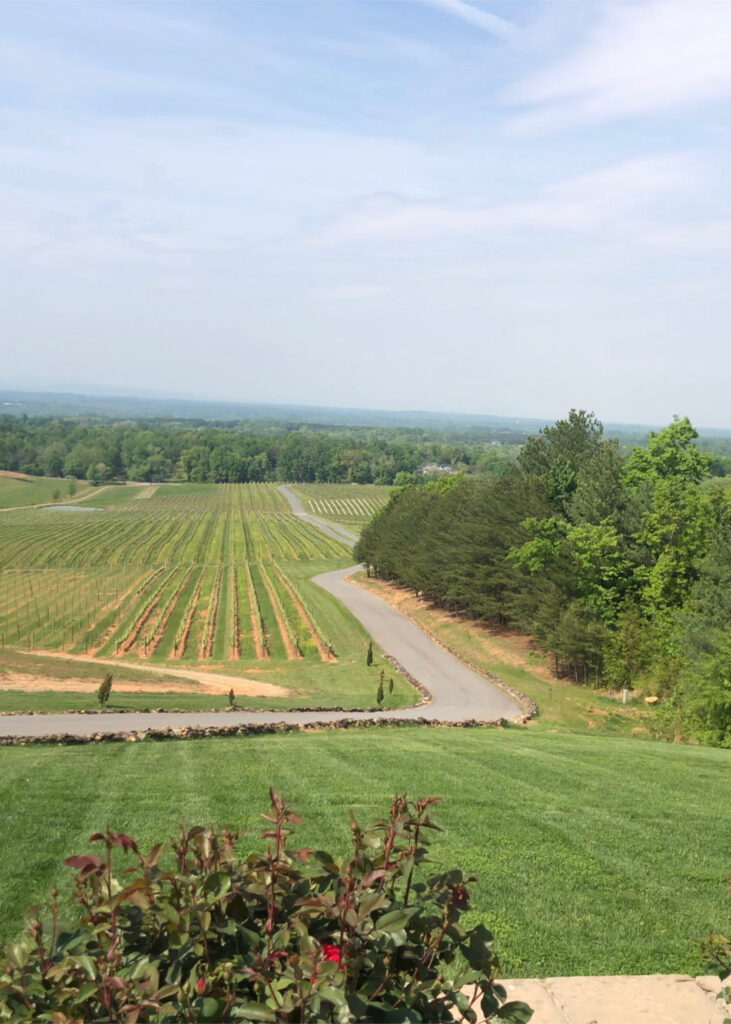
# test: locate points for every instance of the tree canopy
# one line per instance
(615, 566)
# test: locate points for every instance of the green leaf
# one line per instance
(489, 1004)
(88, 989)
(218, 884)
(396, 919)
(168, 912)
(357, 1005)
(166, 991)
(87, 964)
(333, 995)
(252, 1011)
(479, 951)
(399, 1016)
(373, 901)
(211, 1008)
(226, 927)
(398, 937)
(327, 861)
(514, 1013)
(18, 953)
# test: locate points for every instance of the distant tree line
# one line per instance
(620, 567)
(160, 450)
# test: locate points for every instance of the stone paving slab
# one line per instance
(630, 999)
(535, 993)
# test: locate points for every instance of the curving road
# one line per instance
(331, 529)
(458, 693)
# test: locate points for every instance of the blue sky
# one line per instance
(509, 208)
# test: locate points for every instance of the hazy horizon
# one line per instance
(521, 416)
(510, 209)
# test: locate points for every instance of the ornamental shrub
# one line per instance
(284, 935)
(105, 689)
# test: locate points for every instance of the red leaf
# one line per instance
(85, 861)
(125, 841)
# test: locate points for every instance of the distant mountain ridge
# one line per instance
(48, 403)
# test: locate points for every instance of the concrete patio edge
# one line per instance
(622, 999)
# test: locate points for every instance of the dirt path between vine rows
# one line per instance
(199, 680)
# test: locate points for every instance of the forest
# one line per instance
(157, 450)
(618, 566)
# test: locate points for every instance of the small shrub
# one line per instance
(369, 653)
(279, 936)
(105, 689)
(231, 697)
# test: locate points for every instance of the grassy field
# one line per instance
(594, 854)
(22, 490)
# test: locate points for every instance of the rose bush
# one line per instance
(284, 935)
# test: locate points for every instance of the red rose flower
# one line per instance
(332, 952)
(201, 985)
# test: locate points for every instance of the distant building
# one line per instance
(432, 469)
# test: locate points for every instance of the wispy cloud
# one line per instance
(484, 20)
(625, 193)
(638, 59)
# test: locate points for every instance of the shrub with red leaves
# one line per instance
(278, 936)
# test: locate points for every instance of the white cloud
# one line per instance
(616, 197)
(638, 59)
(151, 187)
(475, 16)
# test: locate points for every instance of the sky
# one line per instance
(510, 208)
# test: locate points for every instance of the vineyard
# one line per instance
(349, 504)
(197, 573)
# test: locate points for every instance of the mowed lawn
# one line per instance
(595, 855)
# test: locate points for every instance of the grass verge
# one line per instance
(562, 704)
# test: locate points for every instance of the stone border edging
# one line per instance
(222, 711)
(426, 696)
(188, 732)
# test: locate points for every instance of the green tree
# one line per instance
(97, 473)
(702, 707)
(559, 453)
(674, 515)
